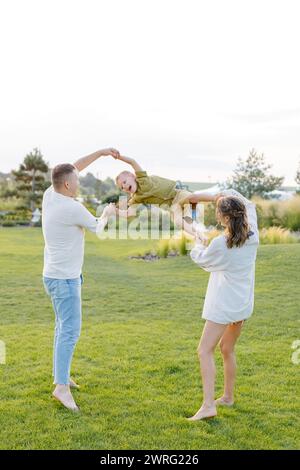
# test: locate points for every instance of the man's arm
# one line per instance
(130, 161)
(83, 162)
(83, 218)
(102, 221)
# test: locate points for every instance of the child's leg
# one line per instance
(184, 214)
(211, 336)
(194, 211)
(227, 344)
(179, 219)
(201, 196)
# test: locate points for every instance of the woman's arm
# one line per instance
(83, 162)
(211, 258)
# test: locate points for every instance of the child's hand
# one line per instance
(112, 152)
(131, 212)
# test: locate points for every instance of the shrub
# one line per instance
(276, 235)
(23, 222)
(291, 213)
(210, 214)
(268, 236)
(9, 204)
(175, 245)
(163, 248)
(8, 223)
(271, 235)
(270, 213)
(182, 245)
(279, 213)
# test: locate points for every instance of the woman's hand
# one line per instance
(201, 239)
(109, 210)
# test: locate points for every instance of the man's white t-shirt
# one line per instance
(64, 220)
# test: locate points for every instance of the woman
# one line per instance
(230, 258)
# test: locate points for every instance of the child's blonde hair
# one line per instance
(123, 173)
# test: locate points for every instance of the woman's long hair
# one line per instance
(237, 230)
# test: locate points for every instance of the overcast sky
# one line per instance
(185, 87)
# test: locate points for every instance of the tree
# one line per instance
(31, 178)
(94, 187)
(7, 186)
(252, 178)
(106, 188)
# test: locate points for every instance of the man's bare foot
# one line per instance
(73, 384)
(205, 412)
(64, 396)
(224, 401)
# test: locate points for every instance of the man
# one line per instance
(64, 220)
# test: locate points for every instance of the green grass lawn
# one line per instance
(136, 360)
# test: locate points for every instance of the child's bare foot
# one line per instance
(73, 384)
(64, 396)
(205, 412)
(224, 401)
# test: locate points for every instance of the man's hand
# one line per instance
(110, 151)
(109, 210)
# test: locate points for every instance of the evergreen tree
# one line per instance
(252, 178)
(31, 178)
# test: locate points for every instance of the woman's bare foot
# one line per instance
(64, 396)
(73, 384)
(205, 412)
(224, 401)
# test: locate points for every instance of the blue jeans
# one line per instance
(66, 300)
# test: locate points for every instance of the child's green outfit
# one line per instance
(156, 190)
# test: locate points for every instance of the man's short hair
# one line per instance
(60, 172)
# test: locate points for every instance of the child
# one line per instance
(145, 189)
(230, 258)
